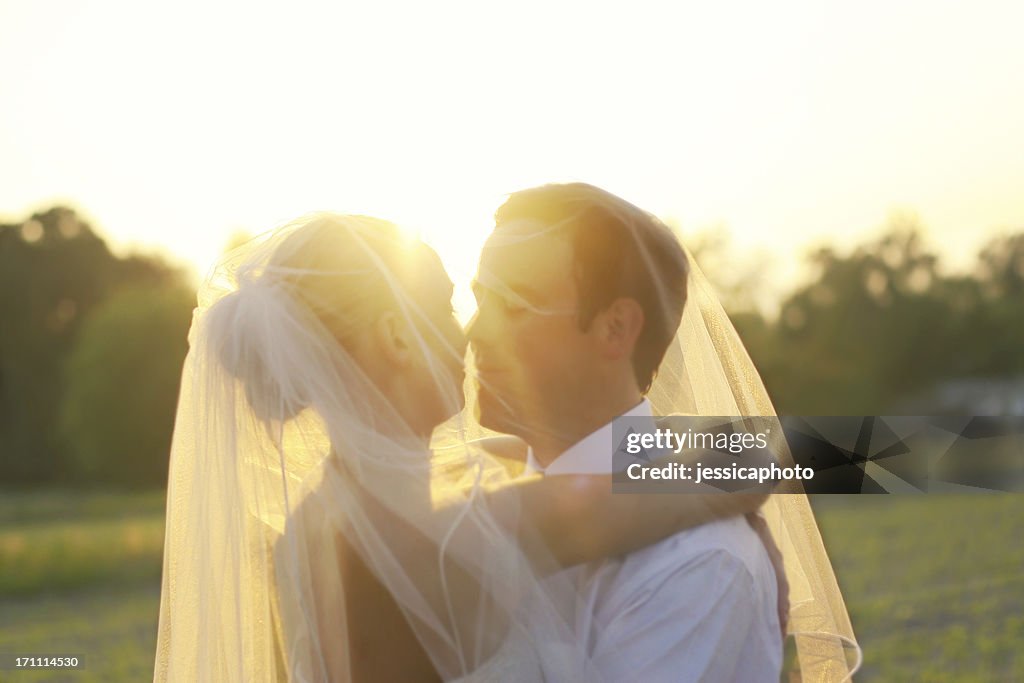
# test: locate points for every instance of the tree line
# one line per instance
(92, 343)
(90, 356)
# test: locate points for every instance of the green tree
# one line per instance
(1000, 319)
(884, 323)
(865, 332)
(117, 414)
(54, 270)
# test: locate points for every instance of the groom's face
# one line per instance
(530, 353)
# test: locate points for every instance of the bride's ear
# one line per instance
(391, 336)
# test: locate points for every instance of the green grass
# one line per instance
(80, 574)
(18, 507)
(60, 541)
(933, 583)
(113, 628)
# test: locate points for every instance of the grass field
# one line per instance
(933, 583)
(80, 574)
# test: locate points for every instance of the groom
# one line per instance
(579, 295)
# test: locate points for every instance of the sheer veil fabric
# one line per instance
(707, 371)
(288, 461)
(290, 464)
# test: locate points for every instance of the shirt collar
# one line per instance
(590, 455)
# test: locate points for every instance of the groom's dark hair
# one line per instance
(619, 250)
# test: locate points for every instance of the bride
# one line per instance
(331, 516)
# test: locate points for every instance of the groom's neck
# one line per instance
(571, 426)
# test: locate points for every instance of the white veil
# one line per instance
(305, 506)
(707, 371)
(302, 494)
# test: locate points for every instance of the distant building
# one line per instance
(968, 396)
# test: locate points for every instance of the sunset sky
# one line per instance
(172, 126)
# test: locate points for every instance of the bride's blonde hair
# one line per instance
(341, 270)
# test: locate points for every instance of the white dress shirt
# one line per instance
(697, 606)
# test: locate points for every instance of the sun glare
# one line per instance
(789, 124)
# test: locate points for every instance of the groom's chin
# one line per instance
(489, 413)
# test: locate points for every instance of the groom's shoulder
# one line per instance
(731, 538)
(702, 556)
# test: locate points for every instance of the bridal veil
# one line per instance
(287, 458)
(288, 461)
(706, 371)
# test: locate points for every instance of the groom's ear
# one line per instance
(618, 326)
(391, 336)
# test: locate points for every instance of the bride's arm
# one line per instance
(570, 519)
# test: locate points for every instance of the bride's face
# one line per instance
(440, 367)
(414, 350)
